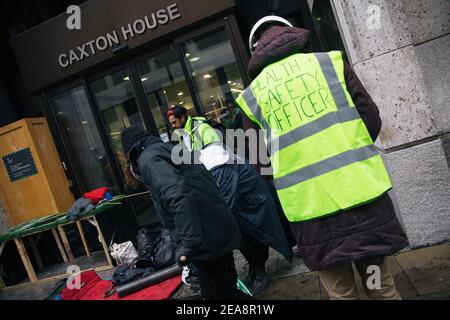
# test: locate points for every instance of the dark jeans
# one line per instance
(218, 279)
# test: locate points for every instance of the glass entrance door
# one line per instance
(164, 85)
(117, 104)
(213, 66)
(198, 71)
(82, 141)
(210, 78)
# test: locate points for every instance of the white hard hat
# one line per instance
(258, 24)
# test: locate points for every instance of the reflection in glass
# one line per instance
(213, 67)
(164, 85)
(116, 101)
(79, 131)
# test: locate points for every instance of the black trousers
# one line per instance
(254, 251)
(218, 279)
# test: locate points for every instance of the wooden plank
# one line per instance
(60, 246)
(104, 268)
(34, 250)
(83, 238)
(2, 246)
(52, 278)
(102, 240)
(130, 196)
(66, 244)
(26, 260)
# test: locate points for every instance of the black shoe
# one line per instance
(259, 281)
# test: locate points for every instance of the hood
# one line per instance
(276, 43)
(139, 146)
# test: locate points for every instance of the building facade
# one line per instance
(403, 63)
(131, 60)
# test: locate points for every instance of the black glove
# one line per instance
(181, 251)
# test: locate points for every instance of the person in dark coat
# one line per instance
(191, 207)
(252, 203)
(364, 235)
(249, 199)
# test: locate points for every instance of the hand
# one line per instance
(182, 255)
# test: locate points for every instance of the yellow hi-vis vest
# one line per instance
(201, 133)
(322, 155)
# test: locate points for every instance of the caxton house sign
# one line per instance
(113, 38)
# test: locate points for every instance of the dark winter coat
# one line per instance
(367, 231)
(253, 206)
(187, 201)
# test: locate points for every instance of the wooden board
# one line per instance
(53, 278)
(41, 194)
(26, 260)
(51, 163)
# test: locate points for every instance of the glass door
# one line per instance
(213, 67)
(117, 105)
(116, 101)
(164, 84)
(82, 140)
(198, 71)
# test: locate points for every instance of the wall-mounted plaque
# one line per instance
(20, 164)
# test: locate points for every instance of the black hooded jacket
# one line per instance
(187, 201)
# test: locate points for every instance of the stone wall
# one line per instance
(404, 65)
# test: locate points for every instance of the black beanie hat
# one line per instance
(130, 136)
(177, 111)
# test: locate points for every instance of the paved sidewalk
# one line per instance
(419, 274)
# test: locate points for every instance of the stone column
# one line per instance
(401, 51)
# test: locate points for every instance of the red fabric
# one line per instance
(96, 195)
(95, 288)
(89, 279)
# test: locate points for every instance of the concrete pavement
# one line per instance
(419, 274)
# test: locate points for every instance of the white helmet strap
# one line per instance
(258, 24)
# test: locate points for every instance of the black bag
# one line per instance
(128, 272)
(159, 253)
(146, 236)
